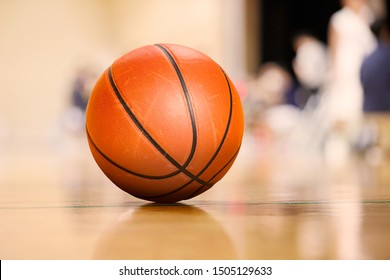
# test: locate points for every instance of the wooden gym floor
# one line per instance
(273, 204)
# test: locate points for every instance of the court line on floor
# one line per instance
(201, 203)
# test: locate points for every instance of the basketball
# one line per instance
(164, 123)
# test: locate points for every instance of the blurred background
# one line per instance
(48, 47)
(298, 74)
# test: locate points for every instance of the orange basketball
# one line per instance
(164, 123)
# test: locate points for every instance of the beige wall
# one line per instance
(44, 41)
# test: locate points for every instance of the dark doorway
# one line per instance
(282, 19)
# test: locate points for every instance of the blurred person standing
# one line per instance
(350, 40)
(310, 66)
(375, 78)
(269, 115)
(74, 119)
(375, 71)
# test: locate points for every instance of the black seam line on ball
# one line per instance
(147, 135)
(216, 174)
(226, 129)
(222, 141)
(189, 182)
(155, 177)
(208, 184)
(188, 101)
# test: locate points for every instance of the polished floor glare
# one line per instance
(275, 203)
